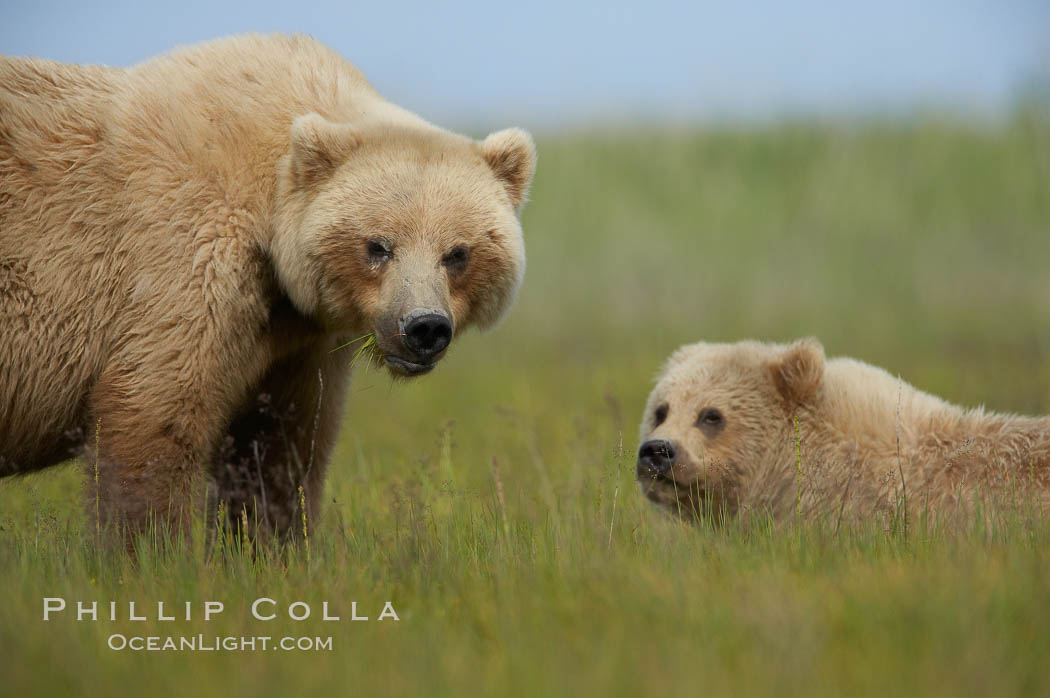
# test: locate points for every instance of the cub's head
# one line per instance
(717, 413)
(401, 229)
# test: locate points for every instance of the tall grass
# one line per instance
(493, 501)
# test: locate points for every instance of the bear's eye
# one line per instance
(711, 421)
(379, 250)
(660, 414)
(456, 259)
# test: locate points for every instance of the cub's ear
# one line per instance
(512, 156)
(318, 147)
(798, 371)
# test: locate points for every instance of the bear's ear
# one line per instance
(512, 156)
(798, 371)
(318, 147)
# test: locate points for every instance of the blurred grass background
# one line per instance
(919, 245)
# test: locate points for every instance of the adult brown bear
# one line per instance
(184, 243)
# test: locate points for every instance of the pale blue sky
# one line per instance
(546, 64)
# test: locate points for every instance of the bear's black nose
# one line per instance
(427, 333)
(655, 457)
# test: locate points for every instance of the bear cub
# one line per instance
(723, 428)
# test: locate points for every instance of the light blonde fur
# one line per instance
(183, 243)
(853, 421)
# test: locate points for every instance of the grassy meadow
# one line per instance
(493, 502)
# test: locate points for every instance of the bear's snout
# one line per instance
(656, 458)
(426, 333)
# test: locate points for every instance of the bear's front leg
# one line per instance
(155, 430)
(184, 362)
(146, 478)
(282, 440)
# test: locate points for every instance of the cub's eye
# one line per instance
(659, 415)
(711, 421)
(456, 259)
(379, 250)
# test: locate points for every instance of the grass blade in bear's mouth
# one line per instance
(651, 483)
(407, 367)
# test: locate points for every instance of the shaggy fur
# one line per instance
(183, 244)
(852, 419)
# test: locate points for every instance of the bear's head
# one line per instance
(401, 229)
(719, 412)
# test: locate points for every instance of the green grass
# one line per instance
(494, 501)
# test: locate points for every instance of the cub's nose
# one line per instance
(655, 457)
(426, 332)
